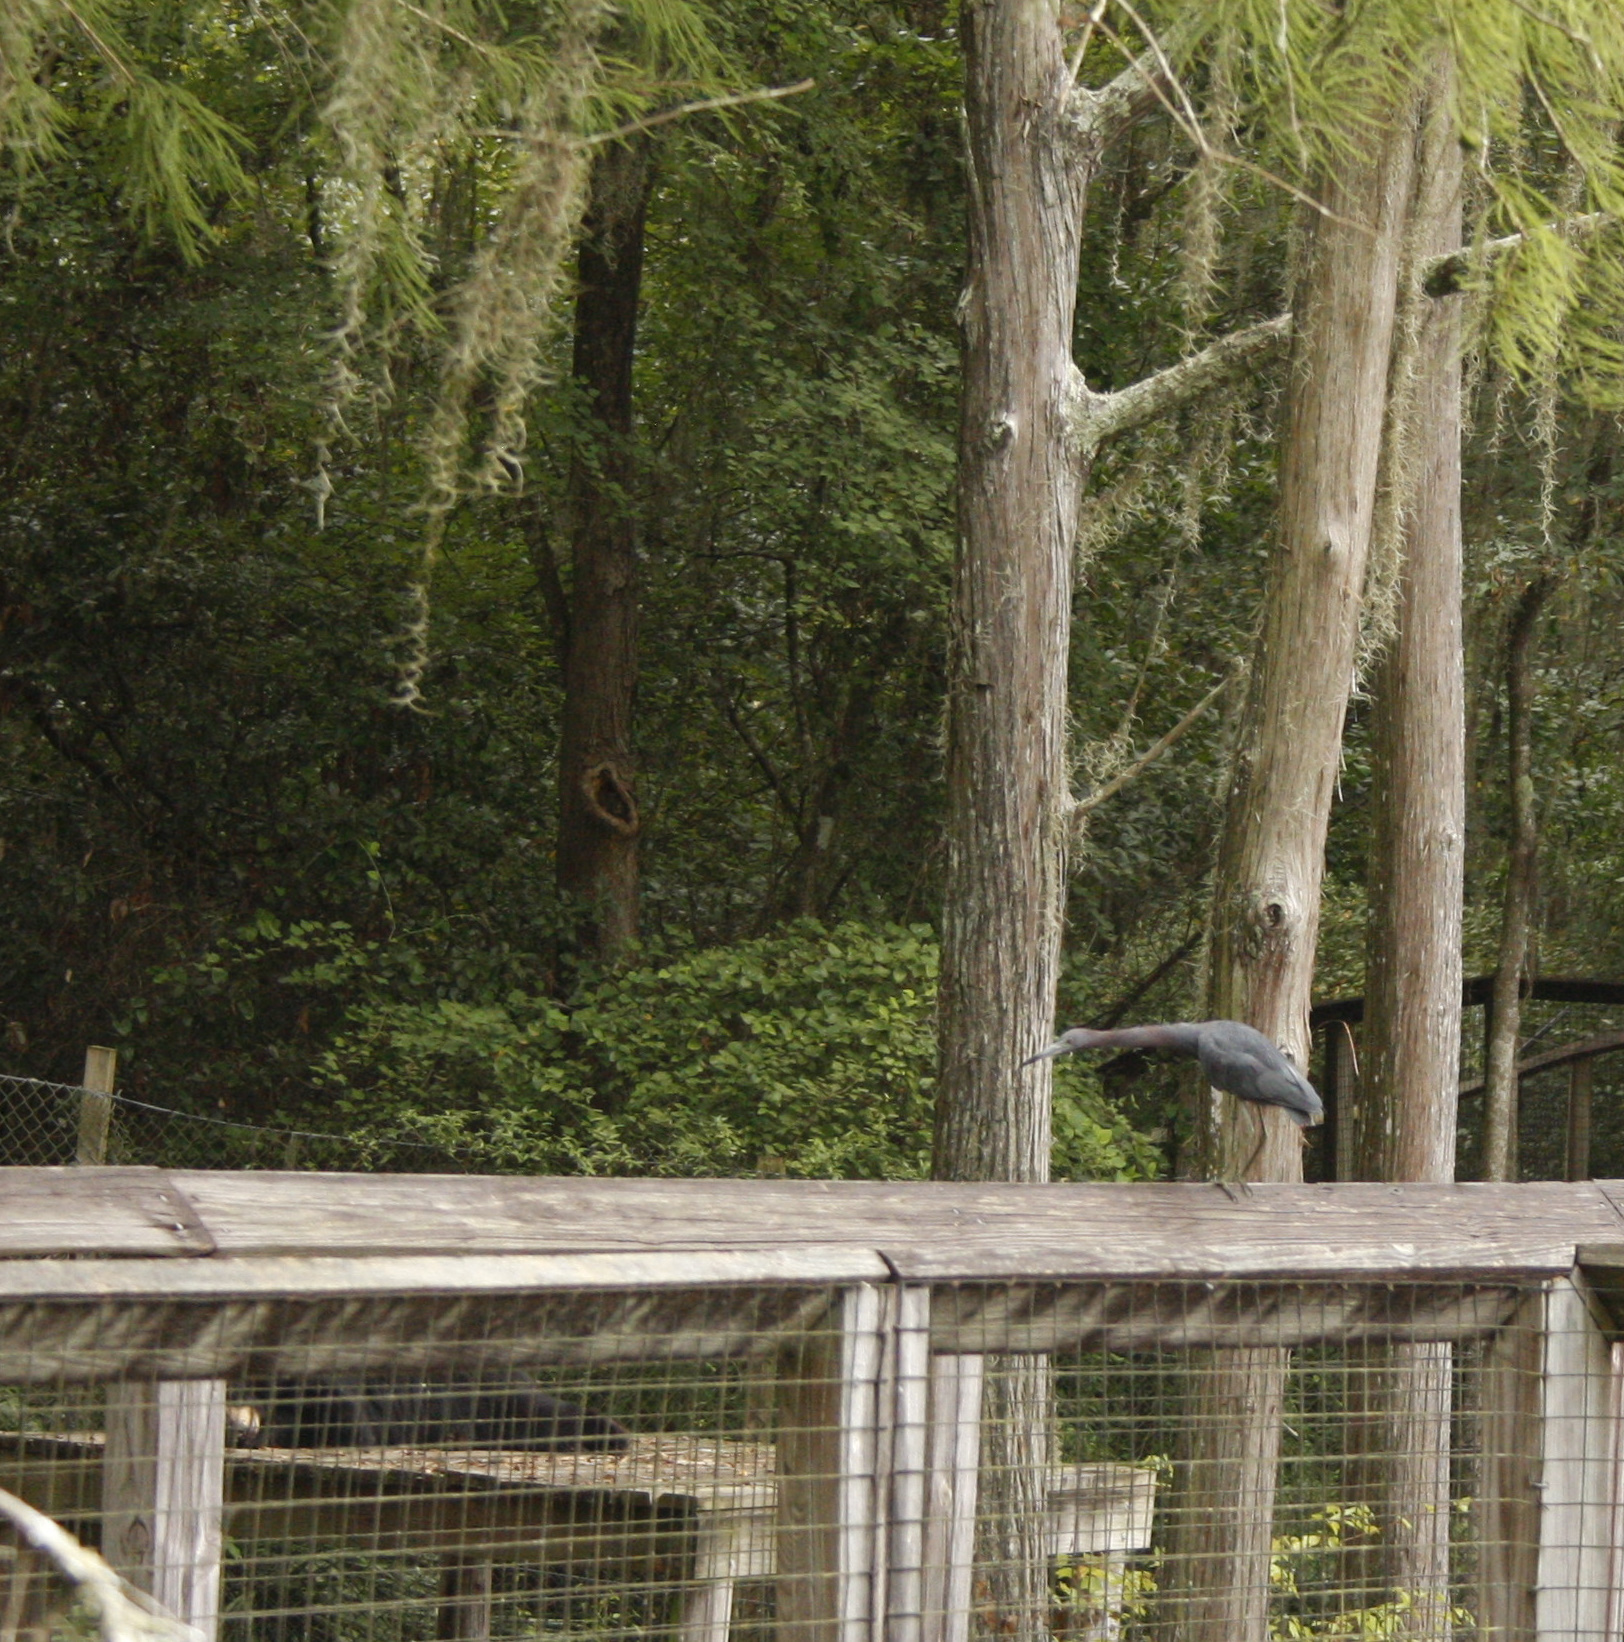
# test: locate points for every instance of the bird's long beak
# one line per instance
(1047, 1054)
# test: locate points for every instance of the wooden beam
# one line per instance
(163, 1493)
(710, 1230)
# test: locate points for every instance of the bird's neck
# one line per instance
(1180, 1038)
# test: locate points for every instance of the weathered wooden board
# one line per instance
(78, 1341)
(930, 1230)
(1178, 1316)
(934, 1231)
(276, 1276)
(139, 1212)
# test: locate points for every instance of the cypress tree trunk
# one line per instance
(1010, 623)
(1505, 1028)
(1018, 486)
(1404, 1123)
(598, 821)
(1271, 856)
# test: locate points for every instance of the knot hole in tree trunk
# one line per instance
(609, 800)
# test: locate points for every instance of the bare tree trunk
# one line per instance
(1404, 1126)
(1265, 918)
(598, 820)
(1271, 857)
(1019, 484)
(1505, 1004)
(1033, 146)
(1010, 623)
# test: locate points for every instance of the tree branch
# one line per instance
(1096, 417)
(1081, 806)
(1446, 275)
(1101, 114)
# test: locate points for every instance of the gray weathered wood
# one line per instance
(269, 1277)
(1546, 1507)
(1576, 1473)
(955, 1459)
(904, 1469)
(1143, 1316)
(163, 1493)
(464, 1614)
(828, 1468)
(129, 1212)
(929, 1230)
(96, 1104)
(79, 1341)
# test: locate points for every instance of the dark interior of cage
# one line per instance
(638, 1477)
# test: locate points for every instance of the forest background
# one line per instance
(290, 834)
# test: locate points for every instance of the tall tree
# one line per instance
(1271, 855)
(596, 619)
(1404, 1126)
(1500, 1081)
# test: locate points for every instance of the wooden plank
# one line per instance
(268, 1277)
(1507, 1505)
(731, 1544)
(930, 1231)
(1140, 1316)
(75, 1341)
(934, 1230)
(163, 1493)
(464, 1614)
(1576, 1481)
(126, 1212)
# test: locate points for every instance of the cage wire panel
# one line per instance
(829, 1462)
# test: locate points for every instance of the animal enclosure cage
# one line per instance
(304, 1408)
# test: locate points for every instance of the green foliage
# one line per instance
(808, 1052)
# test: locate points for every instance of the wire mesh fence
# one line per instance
(40, 1123)
(816, 1462)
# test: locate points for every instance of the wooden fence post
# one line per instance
(1547, 1509)
(163, 1492)
(96, 1104)
(828, 1450)
(955, 1462)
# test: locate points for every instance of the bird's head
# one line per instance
(1079, 1037)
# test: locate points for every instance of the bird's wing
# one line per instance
(1269, 1079)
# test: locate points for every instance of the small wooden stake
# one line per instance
(96, 1104)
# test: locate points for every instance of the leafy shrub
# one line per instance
(809, 1052)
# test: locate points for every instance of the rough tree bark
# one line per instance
(1522, 866)
(1034, 142)
(1271, 855)
(1404, 1121)
(598, 820)
(1018, 487)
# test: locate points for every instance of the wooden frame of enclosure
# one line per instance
(179, 1279)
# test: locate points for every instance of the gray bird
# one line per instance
(1233, 1056)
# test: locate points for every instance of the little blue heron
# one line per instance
(1234, 1057)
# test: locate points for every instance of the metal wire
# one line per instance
(1096, 1462)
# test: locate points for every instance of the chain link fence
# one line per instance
(42, 1123)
